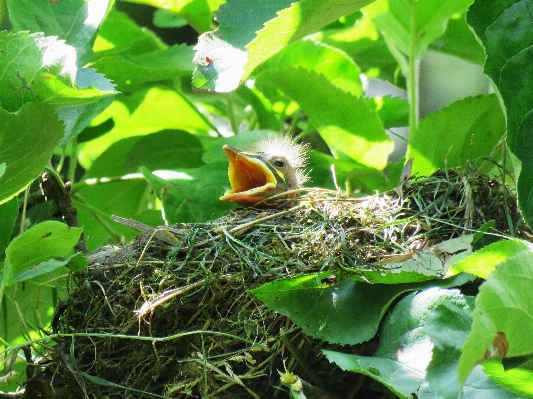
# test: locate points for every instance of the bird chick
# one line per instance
(273, 167)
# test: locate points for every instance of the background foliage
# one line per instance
(136, 123)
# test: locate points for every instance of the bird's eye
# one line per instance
(278, 163)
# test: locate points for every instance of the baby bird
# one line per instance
(274, 167)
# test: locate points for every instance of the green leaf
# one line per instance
(128, 194)
(336, 66)
(39, 68)
(425, 328)
(192, 195)
(167, 19)
(77, 262)
(483, 262)
(49, 266)
(447, 326)
(467, 129)
(196, 12)
(365, 44)
(504, 28)
(409, 268)
(36, 306)
(393, 111)
(251, 31)
(358, 135)
(75, 21)
(25, 152)
(503, 314)
(120, 34)
(46, 240)
(394, 18)
(402, 336)
(460, 41)
(146, 111)
(128, 71)
(128, 197)
(518, 378)
(169, 149)
(327, 311)
(78, 117)
(403, 381)
(8, 216)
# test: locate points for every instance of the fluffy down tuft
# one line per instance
(283, 146)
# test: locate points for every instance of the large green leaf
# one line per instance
(42, 242)
(143, 112)
(447, 326)
(52, 64)
(402, 337)
(312, 55)
(47, 240)
(413, 24)
(252, 31)
(467, 129)
(340, 313)
(504, 28)
(503, 317)
(34, 67)
(347, 124)
(420, 345)
(27, 141)
(75, 21)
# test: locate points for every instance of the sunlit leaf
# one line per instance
(394, 18)
(504, 28)
(467, 129)
(42, 242)
(24, 152)
(503, 314)
(39, 68)
(357, 135)
(248, 35)
(75, 21)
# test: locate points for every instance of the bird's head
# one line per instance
(273, 167)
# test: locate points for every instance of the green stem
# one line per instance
(73, 161)
(24, 206)
(413, 74)
(231, 115)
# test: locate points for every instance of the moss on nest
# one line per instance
(177, 320)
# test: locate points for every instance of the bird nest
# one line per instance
(171, 314)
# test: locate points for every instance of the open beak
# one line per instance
(250, 178)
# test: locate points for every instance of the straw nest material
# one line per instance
(171, 313)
